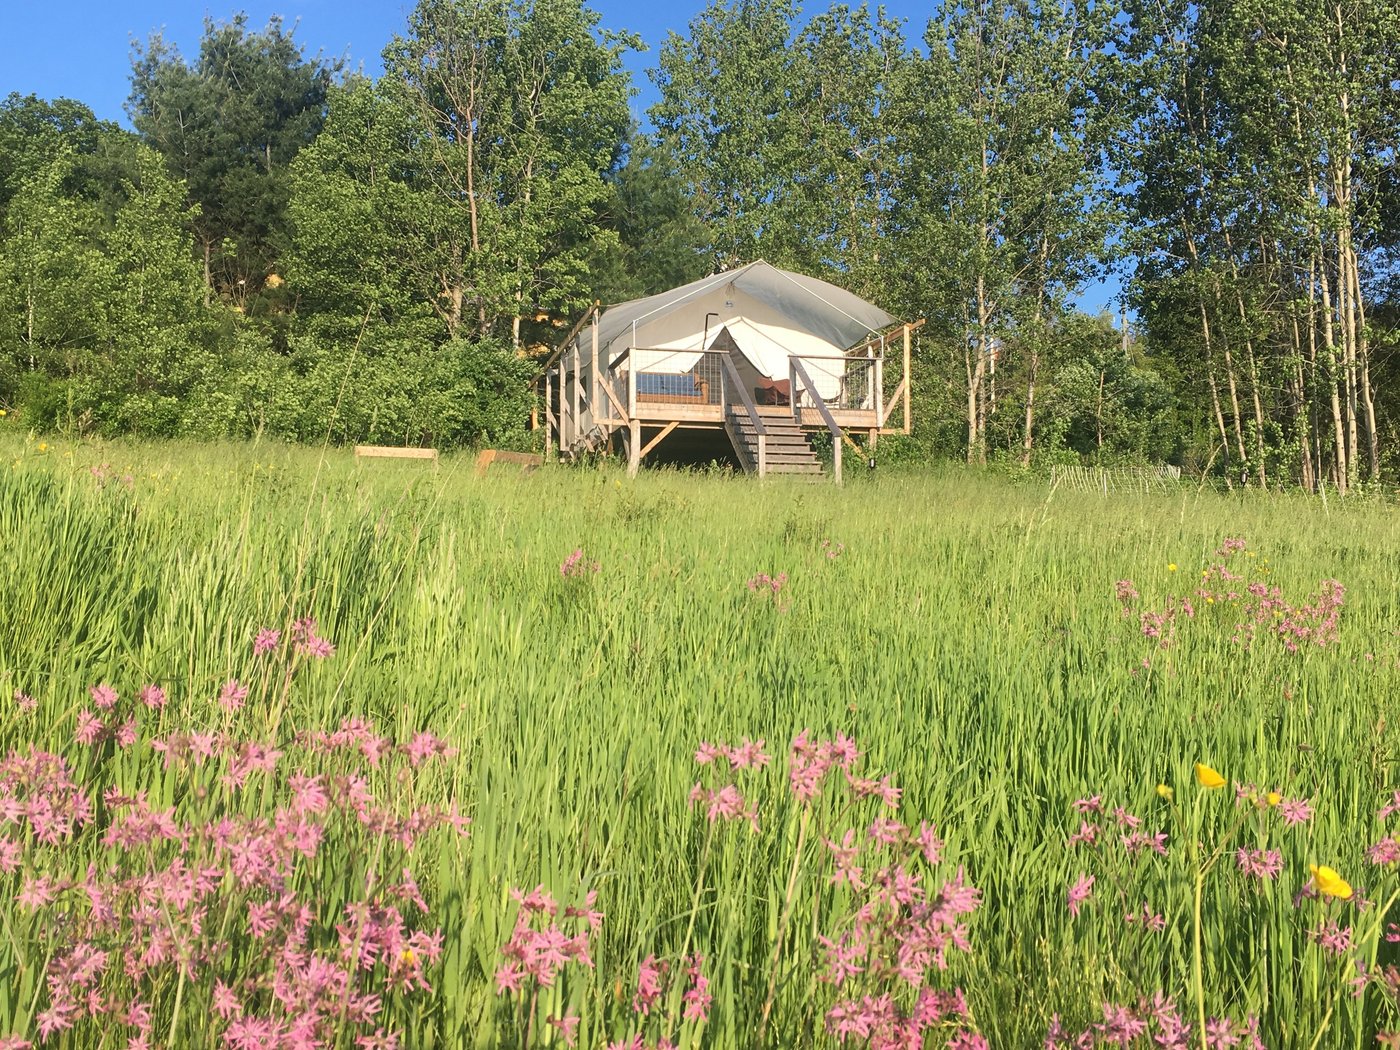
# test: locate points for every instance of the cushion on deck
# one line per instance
(668, 384)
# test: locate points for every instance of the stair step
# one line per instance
(783, 443)
(794, 468)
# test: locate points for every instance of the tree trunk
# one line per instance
(1214, 388)
(1028, 435)
(1329, 343)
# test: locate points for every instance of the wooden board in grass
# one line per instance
(393, 452)
(524, 460)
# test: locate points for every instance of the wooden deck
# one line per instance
(652, 414)
(594, 402)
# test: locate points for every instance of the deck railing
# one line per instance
(639, 378)
(735, 396)
(802, 386)
(667, 377)
(843, 383)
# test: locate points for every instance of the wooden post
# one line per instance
(563, 407)
(594, 401)
(548, 414)
(634, 446)
(836, 462)
(763, 453)
(879, 380)
(578, 392)
(908, 381)
(665, 431)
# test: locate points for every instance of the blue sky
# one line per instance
(81, 49)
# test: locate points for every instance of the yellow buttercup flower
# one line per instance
(1207, 777)
(1171, 566)
(1329, 883)
(1273, 798)
(1165, 792)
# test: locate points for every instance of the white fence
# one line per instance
(1115, 479)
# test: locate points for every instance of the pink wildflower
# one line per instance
(233, 695)
(845, 855)
(226, 1004)
(649, 985)
(1221, 1033)
(1080, 892)
(1333, 939)
(1259, 863)
(35, 892)
(1295, 811)
(929, 843)
(1393, 806)
(567, 1027)
(267, 640)
(90, 728)
(697, 997)
(1088, 834)
(153, 696)
(104, 696)
(575, 567)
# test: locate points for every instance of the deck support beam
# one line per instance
(549, 421)
(634, 446)
(656, 440)
(908, 380)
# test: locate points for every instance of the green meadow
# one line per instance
(961, 628)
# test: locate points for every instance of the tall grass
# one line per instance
(962, 630)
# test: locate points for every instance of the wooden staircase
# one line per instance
(788, 450)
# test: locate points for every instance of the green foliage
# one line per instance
(1239, 157)
(518, 110)
(368, 227)
(727, 115)
(661, 243)
(34, 131)
(1105, 406)
(229, 124)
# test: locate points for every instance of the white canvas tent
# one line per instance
(771, 314)
(729, 352)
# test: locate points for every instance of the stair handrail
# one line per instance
(738, 384)
(797, 372)
(731, 377)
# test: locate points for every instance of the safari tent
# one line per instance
(758, 357)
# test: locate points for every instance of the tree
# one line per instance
(34, 131)
(729, 115)
(660, 243)
(1107, 402)
(1002, 211)
(850, 66)
(520, 109)
(154, 349)
(1261, 134)
(369, 225)
(229, 124)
